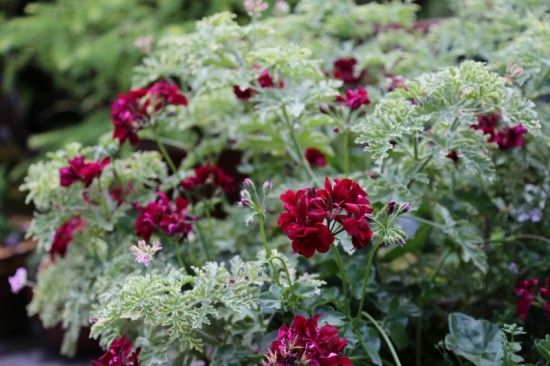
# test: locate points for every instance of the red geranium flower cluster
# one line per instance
(170, 217)
(304, 343)
(314, 216)
(315, 157)
(130, 111)
(506, 138)
(344, 69)
(80, 170)
(209, 177)
(354, 99)
(119, 354)
(526, 291)
(64, 235)
(265, 80)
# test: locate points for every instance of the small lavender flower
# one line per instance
(255, 8)
(246, 199)
(513, 267)
(281, 8)
(406, 207)
(144, 253)
(18, 280)
(535, 215)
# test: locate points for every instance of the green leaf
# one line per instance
(479, 341)
(543, 347)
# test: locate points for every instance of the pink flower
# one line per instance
(80, 170)
(18, 280)
(163, 93)
(315, 157)
(64, 235)
(255, 8)
(144, 253)
(119, 354)
(506, 138)
(304, 343)
(354, 99)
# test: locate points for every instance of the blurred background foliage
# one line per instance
(63, 61)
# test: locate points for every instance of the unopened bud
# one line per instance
(406, 207)
(247, 182)
(268, 185)
(391, 206)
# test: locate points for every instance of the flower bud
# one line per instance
(391, 206)
(406, 207)
(247, 182)
(267, 186)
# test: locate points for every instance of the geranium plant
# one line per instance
(391, 177)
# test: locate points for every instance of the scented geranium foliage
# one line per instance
(324, 184)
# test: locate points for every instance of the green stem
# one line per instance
(287, 272)
(346, 151)
(164, 152)
(366, 278)
(263, 235)
(200, 233)
(415, 146)
(385, 336)
(298, 149)
(178, 255)
(340, 265)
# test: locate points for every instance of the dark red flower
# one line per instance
(266, 81)
(209, 177)
(130, 111)
(304, 343)
(309, 216)
(453, 155)
(344, 69)
(354, 99)
(303, 222)
(170, 217)
(315, 157)
(243, 94)
(525, 292)
(510, 137)
(128, 114)
(119, 354)
(506, 138)
(80, 170)
(64, 235)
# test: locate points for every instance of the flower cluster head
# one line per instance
(344, 69)
(304, 343)
(144, 253)
(170, 217)
(255, 8)
(354, 98)
(526, 292)
(131, 111)
(264, 80)
(315, 157)
(281, 8)
(313, 217)
(505, 138)
(79, 170)
(119, 354)
(208, 178)
(18, 280)
(64, 235)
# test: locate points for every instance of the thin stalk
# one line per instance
(164, 152)
(263, 235)
(298, 149)
(385, 336)
(200, 233)
(287, 272)
(346, 151)
(340, 264)
(415, 146)
(366, 278)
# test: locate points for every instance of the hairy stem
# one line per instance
(366, 278)
(164, 152)
(385, 336)
(345, 284)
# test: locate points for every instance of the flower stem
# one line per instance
(287, 272)
(346, 151)
(263, 235)
(298, 149)
(164, 152)
(385, 336)
(340, 265)
(366, 278)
